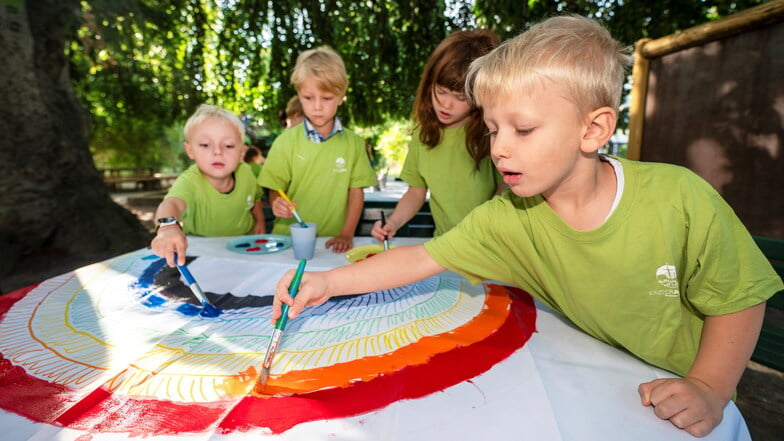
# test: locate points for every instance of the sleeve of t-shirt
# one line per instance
(362, 174)
(276, 172)
(473, 247)
(246, 170)
(183, 188)
(410, 170)
(731, 273)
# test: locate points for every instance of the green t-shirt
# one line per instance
(317, 176)
(671, 253)
(211, 213)
(255, 167)
(456, 186)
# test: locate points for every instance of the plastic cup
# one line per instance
(303, 240)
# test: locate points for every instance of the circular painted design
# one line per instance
(112, 345)
(259, 244)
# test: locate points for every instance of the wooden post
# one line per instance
(647, 49)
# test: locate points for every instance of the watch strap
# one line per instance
(166, 221)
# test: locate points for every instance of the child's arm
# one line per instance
(260, 227)
(396, 267)
(696, 402)
(406, 208)
(344, 241)
(170, 239)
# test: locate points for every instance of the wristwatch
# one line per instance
(166, 221)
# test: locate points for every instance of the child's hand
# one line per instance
(390, 229)
(688, 403)
(170, 240)
(312, 292)
(281, 208)
(259, 228)
(340, 244)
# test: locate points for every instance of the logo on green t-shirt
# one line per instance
(667, 277)
(340, 165)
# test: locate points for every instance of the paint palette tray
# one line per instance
(259, 244)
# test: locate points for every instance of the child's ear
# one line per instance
(188, 149)
(599, 130)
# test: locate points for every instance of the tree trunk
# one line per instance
(52, 199)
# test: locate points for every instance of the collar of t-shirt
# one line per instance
(314, 134)
(618, 169)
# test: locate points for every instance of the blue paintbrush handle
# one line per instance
(186, 274)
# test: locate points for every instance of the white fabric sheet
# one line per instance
(562, 385)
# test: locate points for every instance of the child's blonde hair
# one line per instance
(323, 64)
(575, 52)
(208, 111)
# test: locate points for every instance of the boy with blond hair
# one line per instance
(320, 165)
(681, 283)
(216, 196)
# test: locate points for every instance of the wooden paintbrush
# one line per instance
(293, 210)
(280, 326)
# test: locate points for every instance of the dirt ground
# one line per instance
(760, 391)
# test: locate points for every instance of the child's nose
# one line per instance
(498, 146)
(447, 102)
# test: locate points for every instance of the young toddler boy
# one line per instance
(321, 166)
(643, 256)
(216, 196)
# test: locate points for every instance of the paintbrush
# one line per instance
(386, 238)
(208, 309)
(277, 334)
(293, 210)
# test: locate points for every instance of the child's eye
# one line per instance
(204, 145)
(524, 132)
(491, 134)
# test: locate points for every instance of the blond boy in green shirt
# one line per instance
(216, 196)
(632, 252)
(321, 166)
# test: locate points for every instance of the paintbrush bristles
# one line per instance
(261, 382)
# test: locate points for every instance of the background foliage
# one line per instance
(142, 66)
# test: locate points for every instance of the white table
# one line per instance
(562, 385)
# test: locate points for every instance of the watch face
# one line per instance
(167, 220)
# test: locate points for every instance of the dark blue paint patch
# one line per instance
(207, 310)
(210, 311)
(153, 301)
(147, 278)
(242, 245)
(188, 309)
(150, 299)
